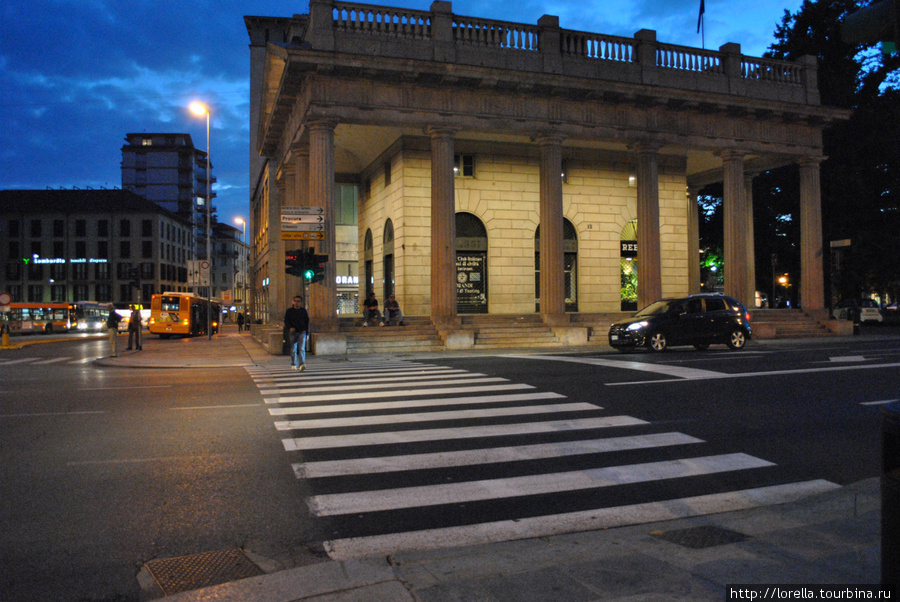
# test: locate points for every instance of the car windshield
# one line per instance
(659, 307)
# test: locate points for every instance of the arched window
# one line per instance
(368, 258)
(471, 265)
(570, 265)
(628, 262)
(388, 250)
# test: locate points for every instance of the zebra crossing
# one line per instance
(407, 455)
(43, 361)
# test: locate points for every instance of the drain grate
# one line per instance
(186, 573)
(706, 536)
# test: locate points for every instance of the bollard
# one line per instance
(890, 495)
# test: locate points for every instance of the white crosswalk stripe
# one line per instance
(39, 361)
(451, 457)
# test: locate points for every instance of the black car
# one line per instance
(698, 320)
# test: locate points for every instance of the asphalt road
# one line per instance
(105, 469)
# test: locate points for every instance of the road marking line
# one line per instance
(847, 358)
(490, 489)
(349, 378)
(18, 361)
(678, 371)
(472, 432)
(37, 414)
(221, 407)
(125, 388)
(419, 403)
(51, 361)
(288, 425)
(397, 393)
(878, 403)
(364, 466)
(391, 382)
(139, 460)
(766, 373)
(556, 524)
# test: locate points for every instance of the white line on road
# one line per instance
(766, 373)
(39, 414)
(472, 432)
(419, 403)
(878, 403)
(391, 382)
(287, 425)
(221, 407)
(677, 371)
(471, 457)
(398, 393)
(472, 491)
(122, 388)
(599, 518)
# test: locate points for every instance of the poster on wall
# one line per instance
(471, 283)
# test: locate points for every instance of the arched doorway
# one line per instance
(388, 244)
(369, 259)
(471, 265)
(628, 263)
(570, 265)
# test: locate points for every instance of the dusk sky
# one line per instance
(77, 75)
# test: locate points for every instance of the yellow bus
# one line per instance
(40, 317)
(182, 314)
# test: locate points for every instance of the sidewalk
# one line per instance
(829, 538)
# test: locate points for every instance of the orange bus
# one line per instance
(182, 314)
(41, 317)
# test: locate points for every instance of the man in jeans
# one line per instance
(296, 322)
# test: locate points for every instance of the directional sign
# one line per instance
(302, 235)
(302, 211)
(302, 219)
(302, 227)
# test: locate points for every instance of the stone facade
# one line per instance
(578, 133)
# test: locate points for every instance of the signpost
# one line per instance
(302, 223)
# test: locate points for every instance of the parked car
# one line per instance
(865, 310)
(698, 320)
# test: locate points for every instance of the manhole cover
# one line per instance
(702, 537)
(186, 573)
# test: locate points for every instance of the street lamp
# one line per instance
(199, 109)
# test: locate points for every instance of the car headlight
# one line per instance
(637, 325)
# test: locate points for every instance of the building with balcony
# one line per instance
(167, 169)
(509, 168)
(82, 245)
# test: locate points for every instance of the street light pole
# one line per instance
(241, 265)
(201, 109)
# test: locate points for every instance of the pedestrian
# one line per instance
(296, 323)
(370, 310)
(112, 327)
(392, 310)
(134, 329)
(240, 322)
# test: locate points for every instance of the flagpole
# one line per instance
(700, 25)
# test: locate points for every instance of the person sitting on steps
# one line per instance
(392, 310)
(370, 310)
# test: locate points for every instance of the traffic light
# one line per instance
(315, 267)
(295, 263)
(135, 275)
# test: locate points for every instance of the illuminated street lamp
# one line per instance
(200, 109)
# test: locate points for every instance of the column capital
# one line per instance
(811, 160)
(548, 139)
(441, 131)
(645, 146)
(731, 154)
(324, 123)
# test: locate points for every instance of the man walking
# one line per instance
(296, 322)
(112, 327)
(134, 330)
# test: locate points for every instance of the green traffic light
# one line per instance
(308, 274)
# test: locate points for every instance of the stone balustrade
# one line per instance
(440, 35)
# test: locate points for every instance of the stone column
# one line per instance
(553, 284)
(277, 277)
(298, 185)
(649, 286)
(735, 216)
(443, 228)
(323, 296)
(693, 210)
(751, 242)
(812, 277)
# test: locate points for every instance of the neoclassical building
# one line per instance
(509, 168)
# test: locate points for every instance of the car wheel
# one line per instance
(48, 329)
(657, 342)
(737, 339)
(701, 346)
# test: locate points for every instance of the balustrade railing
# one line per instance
(689, 59)
(497, 34)
(367, 18)
(352, 18)
(771, 70)
(597, 46)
